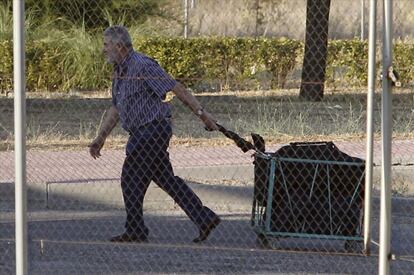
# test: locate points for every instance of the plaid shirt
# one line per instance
(139, 86)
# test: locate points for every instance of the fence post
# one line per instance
(185, 18)
(386, 125)
(362, 20)
(372, 46)
(20, 137)
(256, 27)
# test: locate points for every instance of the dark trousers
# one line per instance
(147, 160)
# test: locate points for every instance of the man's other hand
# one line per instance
(95, 147)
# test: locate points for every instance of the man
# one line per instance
(139, 87)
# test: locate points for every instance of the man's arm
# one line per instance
(109, 123)
(188, 99)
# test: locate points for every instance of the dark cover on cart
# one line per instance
(315, 198)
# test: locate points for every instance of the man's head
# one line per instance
(117, 43)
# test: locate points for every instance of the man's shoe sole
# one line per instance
(204, 234)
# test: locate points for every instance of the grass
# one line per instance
(70, 122)
(280, 18)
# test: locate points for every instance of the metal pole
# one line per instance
(185, 18)
(20, 137)
(386, 125)
(372, 46)
(362, 20)
(256, 28)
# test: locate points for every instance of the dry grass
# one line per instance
(287, 18)
(71, 121)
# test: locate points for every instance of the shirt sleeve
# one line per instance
(113, 85)
(158, 80)
(113, 94)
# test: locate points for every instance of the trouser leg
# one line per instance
(148, 159)
(178, 189)
(135, 179)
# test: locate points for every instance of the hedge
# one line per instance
(201, 63)
(228, 62)
(347, 62)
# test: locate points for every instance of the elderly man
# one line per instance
(139, 87)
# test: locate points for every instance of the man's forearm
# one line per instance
(187, 98)
(109, 123)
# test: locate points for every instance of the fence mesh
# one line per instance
(287, 199)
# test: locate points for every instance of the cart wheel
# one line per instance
(263, 241)
(354, 246)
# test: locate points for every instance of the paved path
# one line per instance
(74, 229)
(47, 166)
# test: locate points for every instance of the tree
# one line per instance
(316, 49)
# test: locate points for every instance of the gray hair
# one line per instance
(118, 34)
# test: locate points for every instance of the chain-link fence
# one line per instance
(285, 18)
(287, 199)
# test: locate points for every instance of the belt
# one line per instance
(151, 123)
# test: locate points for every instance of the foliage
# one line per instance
(229, 62)
(6, 65)
(348, 61)
(6, 21)
(403, 61)
(91, 14)
(71, 59)
(60, 62)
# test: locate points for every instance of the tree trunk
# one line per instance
(316, 49)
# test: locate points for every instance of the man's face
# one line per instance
(111, 51)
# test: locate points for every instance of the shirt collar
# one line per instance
(126, 58)
(121, 68)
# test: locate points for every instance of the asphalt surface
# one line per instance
(75, 206)
(65, 242)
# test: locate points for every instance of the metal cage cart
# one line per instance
(308, 190)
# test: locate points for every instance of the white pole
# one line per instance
(372, 46)
(185, 18)
(386, 125)
(20, 137)
(362, 20)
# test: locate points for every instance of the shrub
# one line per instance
(347, 62)
(403, 61)
(73, 59)
(230, 62)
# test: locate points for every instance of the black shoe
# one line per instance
(129, 237)
(204, 233)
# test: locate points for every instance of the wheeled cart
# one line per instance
(308, 190)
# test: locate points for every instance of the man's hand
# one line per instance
(111, 119)
(209, 121)
(95, 147)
